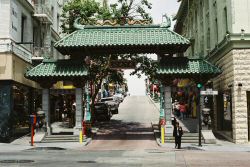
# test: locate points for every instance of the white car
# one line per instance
(119, 96)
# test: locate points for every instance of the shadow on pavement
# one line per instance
(119, 130)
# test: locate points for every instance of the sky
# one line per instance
(136, 85)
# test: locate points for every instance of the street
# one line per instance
(127, 140)
(131, 129)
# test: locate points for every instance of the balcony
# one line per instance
(41, 53)
(43, 13)
(9, 46)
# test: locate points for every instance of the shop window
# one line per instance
(4, 99)
(5, 106)
(21, 106)
(224, 110)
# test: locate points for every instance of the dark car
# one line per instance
(112, 103)
(102, 111)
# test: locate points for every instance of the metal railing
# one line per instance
(18, 50)
(44, 52)
(43, 9)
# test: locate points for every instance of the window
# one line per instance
(23, 27)
(216, 31)
(52, 11)
(206, 5)
(224, 112)
(208, 39)
(225, 20)
(58, 22)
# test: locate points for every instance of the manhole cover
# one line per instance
(16, 161)
(192, 148)
(47, 148)
(87, 162)
(159, 152)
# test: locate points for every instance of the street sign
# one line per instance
(209, 92)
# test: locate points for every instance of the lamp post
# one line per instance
(199, 86)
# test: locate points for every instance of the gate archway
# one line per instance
(130, 39)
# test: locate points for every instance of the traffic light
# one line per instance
(199, 85)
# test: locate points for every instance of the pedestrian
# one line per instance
(182, 110)
(177, 133)
(176, 107)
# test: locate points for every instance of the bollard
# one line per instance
(162, 124)
(80, 136)
(162, 134)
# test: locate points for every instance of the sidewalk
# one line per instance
(188, 125)
(23, 143)
(220, 146)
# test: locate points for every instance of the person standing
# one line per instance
(174, 122)
(182, 110)
(177, 133)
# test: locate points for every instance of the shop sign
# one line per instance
(209, 92)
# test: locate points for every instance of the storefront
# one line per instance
(224, 113)
(17, 102)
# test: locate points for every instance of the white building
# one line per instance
(28, 30)
(220, 32)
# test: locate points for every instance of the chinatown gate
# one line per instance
(104, 40)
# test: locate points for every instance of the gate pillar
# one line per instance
(46, 108)
(79, 111)
(167, 105)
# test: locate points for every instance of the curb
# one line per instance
(157, 139)
(152, 101)
(88, 140)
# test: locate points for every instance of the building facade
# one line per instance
(28, 30)
(219, 31)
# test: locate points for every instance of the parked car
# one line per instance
(102, 111)
(113, 104)
(119, 96)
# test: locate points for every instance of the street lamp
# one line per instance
(199, 86)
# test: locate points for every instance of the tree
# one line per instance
(90, 12)
(84, 9)
(125, 10)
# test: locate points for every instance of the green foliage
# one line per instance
(85, 9)
(90, 11)
(125, 10)
(144, 65)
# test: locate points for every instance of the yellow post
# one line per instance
(162, 134)
(80, 137)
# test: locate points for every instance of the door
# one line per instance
(248, 114)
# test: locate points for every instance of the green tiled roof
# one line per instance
(185, 66)
(57, 69)
(120, 36)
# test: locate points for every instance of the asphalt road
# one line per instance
(126, 141)
(131, 129)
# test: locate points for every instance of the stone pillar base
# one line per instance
(168, 132)
(77, 130)
(49, 130)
